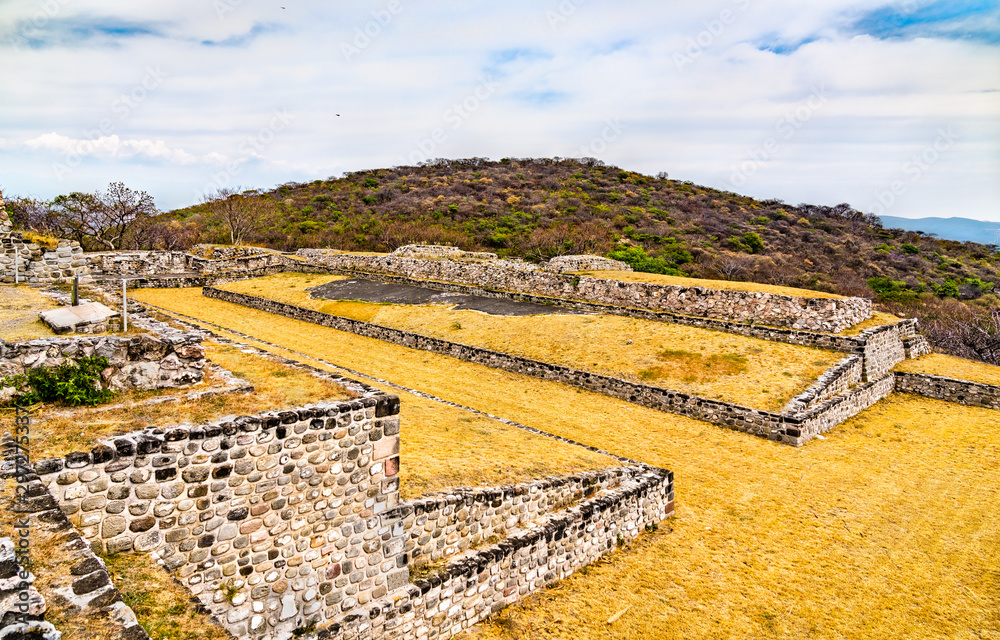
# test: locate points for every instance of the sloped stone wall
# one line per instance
(442, 525)
(86, 588)
(883, 348)
(483, 582)
(823, 314)
(137, 362)
(834, 381)
(289, 508)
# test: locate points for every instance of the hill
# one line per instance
(961, 229)
(540, 208)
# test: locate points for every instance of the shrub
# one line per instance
(910, 249)
(639, 260)
(75, 383)
(753, 242)
(894, 290)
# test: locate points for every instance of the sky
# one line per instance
(892, 107)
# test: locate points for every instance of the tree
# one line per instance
(102, 218)
(242, 212)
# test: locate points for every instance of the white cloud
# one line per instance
(557, 85)
(109, 147)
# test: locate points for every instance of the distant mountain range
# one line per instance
(961, 229)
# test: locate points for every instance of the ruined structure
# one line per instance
(23, 261)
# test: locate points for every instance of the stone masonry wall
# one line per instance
(973, 394)
(569, 264)
(824, 314)
(883, 348)
(756, 422)
(836, 410)
(136, 263)
(834, 381)
(442, 525)
(289, 508)
(137, 362)
(848, 344)
(36, 265)
(484, 581)
(86, 586)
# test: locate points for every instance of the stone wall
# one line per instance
(137, 362)
(804, 426)
(36, 265)
(823, 314)
(483, 582)
(287, 507)
(437, 252)
(883, 348)
(569, 264)
(834, 381)
(443, 525)
(973, 394)
(86, 588)
(136, 263)
(848, 344)
(756, 422)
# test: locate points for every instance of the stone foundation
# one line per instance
(822, 314)
(973, 394)
(139, 362)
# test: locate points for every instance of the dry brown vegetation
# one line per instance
(770, 373)
(887, 528)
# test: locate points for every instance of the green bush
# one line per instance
(753, 242)
(639, 260)
(910, 249)
(74, 383)
(895, 290)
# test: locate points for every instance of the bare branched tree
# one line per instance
(242, 212)
(100, 218)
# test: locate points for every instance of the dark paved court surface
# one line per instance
(368, 291)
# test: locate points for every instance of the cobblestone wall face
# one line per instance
(287, 507)
(822, 314)
(973, 394)
(138, 362)
(834, 381)
(883, 349)
(442, 525)
(485, 581)
(36, 265)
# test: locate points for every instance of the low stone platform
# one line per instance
(90, 317)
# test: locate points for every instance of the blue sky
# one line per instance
(893, 107)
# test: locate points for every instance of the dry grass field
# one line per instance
(938, 364)
(19, 307)
(710, 364)
(888, 528)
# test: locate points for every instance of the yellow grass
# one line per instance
(162, 606)
(886, 529)
(878, 319)
(771, 373)
(19, 307)
(937, 364)
(277, 386)
(464, 445)
(729, 285)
